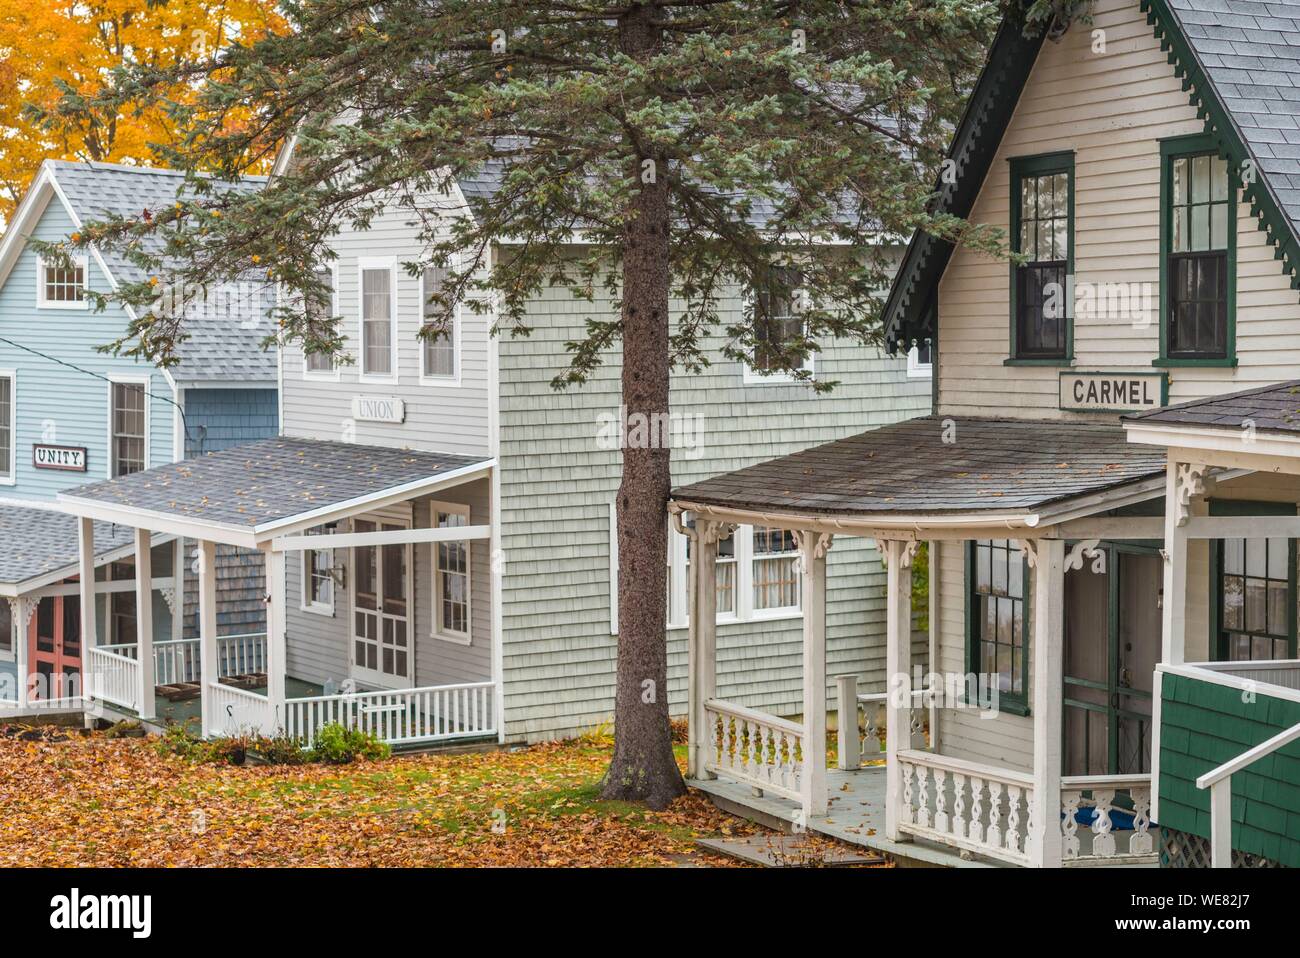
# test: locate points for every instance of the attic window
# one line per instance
(778, 320)
(61, 286)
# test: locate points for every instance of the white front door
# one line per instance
(382, 653)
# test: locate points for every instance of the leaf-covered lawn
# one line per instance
(114, 802)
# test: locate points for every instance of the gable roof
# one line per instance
(1239, 62)
(223, 347)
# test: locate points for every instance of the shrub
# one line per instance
(279, 750)
(179, 741)
(336, 745)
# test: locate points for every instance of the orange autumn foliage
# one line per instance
(43, 41)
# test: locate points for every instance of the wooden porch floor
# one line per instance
(856, 815)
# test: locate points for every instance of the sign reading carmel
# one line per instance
(66, 458)
(1112, 391)
(378, 409)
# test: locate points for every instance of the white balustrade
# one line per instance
(429, 714)
(1118, 831)
(178, 660)
(237, 711)
(979, 808)
(754, 748)
(112, 675)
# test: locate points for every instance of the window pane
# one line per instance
(1218, 178)
(1200, 179)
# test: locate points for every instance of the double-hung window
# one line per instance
(756, 575)
(438, 350)
(128, 420)
(8, 459)
(451, 576)
(62, 286)
(378, 318)
(778, 322)
(998, 639)
(1254, 613)
(1042, 231)
(318, 578)
(319, 312)
(1198, 255)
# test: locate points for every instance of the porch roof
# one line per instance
(1273, 409)
(41, 546)
(939, 466)
(248, 494)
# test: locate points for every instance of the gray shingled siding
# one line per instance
(556, 490)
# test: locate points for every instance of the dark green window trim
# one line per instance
(1172, 148)
(1011, 704)
(1042, 165)
(1219, 651)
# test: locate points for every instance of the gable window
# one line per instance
(997, 641)
(378, 316)
(451, 575)
(61, 286)
(322, 363)
(318, 578)
(1042, 229)
(1198, 255)
(8, 459)
(127, 419)
(438, 353)
(777, 306)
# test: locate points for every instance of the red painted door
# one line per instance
(54, 648)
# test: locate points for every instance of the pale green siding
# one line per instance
(556, 490)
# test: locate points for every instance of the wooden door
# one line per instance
(54, 648)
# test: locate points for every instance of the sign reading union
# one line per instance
(1112, 392)
(67, 458)
(378, 409)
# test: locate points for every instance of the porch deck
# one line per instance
(856, 815)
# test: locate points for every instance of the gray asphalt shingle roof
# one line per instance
(908, 467)
(225, 337)
(41, 541)
(1273, 408)
(1250, 49)
(269, 480)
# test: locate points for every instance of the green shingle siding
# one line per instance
(1203, 725)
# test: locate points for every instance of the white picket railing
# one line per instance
(112, 675)
(1119, 834)
(238, 711)
(975, 807)
(180, 660)
(754, 748)
(400, 717)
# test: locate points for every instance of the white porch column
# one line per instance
(1047, 559)
(702, 652)
(898, 675)
(178, 589)
(1183, 482)
(812, 559)
(144, 694)
(276, 626)
(86, 571)
(22, 669)
(207, 629)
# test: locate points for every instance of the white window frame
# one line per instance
(431, 379)
(307, 603)
(332, 374)
(435, 624)
(11, 654)
(78, 259)
(753, 377)
(917, 369)
(365, 264)
(781, 612)
(12, 477)
(144, 381)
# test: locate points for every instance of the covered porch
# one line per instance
(300, 503)
(989, 754)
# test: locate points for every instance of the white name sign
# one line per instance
(378, 409)
(1112, 391)
(66, 458)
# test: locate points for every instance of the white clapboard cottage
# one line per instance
(1108, 482)
(437, 521)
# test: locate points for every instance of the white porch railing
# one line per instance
(1119, 834)
(429, 714)
(238, 711)
(1280, 672)
(979, 808)
(180, 660)
(860, 725)
(112, 674)
(754, 748)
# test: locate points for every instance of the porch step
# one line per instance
(783, 850)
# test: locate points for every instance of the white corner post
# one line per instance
(86, 571)
(932, 666)
(276, 626)
(207, 631)
(898, 675)
(1183, 483)
(144, 693)
(702, 650)
(846, 726)
(1046, 558)
(22, 669)
(1221, 823)
(178, 589)
(812, 559)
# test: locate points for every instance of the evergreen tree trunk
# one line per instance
(643, 768)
